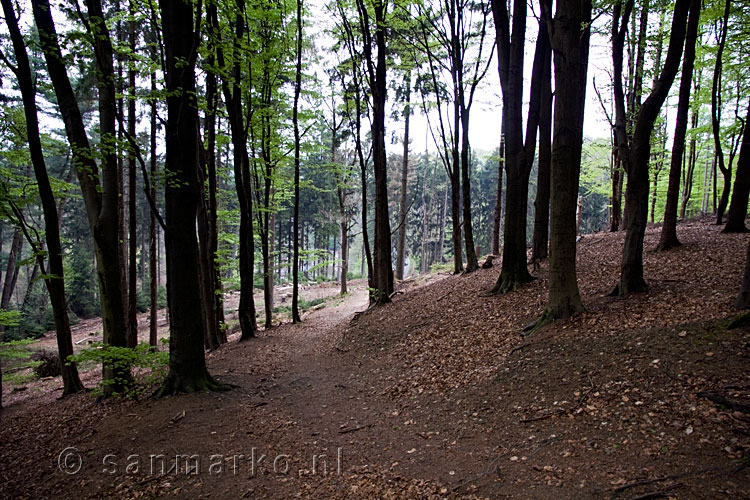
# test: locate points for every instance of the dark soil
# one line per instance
(438, 395)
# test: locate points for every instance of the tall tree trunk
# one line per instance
(382, 267)
(440, 250)
(55, 279)
(426, 210)
(716, 121)
(295, 119)
(668, 238)
(132, 339)
(738, 208)
(631, 277)
(232, 91)
(152, 251)
(687, 183)
(497, 213)
(542, 202)
(571, 50)
(519, 155)
(187, 364)
(99, 188)
(401, 243)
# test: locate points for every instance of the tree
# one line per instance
(232, 77)
(540, 239)
(636, 157)
(668, 238)
(519, 154)
(55, 279)
(187, 363)
(295, 119)
(570, 42)
(725, 169)
(374, 35)
(99, 187)
(738, 207)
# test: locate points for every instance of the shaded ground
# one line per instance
(437, 395)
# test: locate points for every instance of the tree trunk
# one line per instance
(295, 119)
(11, 271)
(716, 120)
(187, 364)
(132, 339)
(542, 203)
(743, 299)
(738, 207)
(519, 156)
(571, 48)
(631, 277)
(99, 188)
(687, 185)
(401, 244)
(382, 267)
(241, 162)
(152, 251)
(668, 238)
(497, 213)
(55, 281)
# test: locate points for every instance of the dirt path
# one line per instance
(438, 396)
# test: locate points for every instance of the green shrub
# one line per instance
(147, 365)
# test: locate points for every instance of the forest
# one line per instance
(280, 205)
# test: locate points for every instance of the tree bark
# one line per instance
(539, 251)
(132, 339)
(99, 188)
(187, 364)
(631, 271)
(716, 121)
(401, 242)
(571, 51)
(738, 207)
(152, 251)
(295, 120)
(668, 238)
(519, 156)
(55, 280)
(232, 91)
(497, 214)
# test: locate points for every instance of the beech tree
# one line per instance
(668, 238)
(187, 363)
(54, 279)
(98, 186)
(570, 43)
(636, 157)
(519, 150)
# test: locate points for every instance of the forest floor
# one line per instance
(438, 395)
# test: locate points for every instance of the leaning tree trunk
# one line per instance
(716, 121)
(571, 47)
(668, 238)
(99, 187)
(738, 207)
(55, 281)
(187, 363)
(631, 270)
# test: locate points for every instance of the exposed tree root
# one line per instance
(509, 282)
(739, 321)
(727, 403)
(201, 382)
